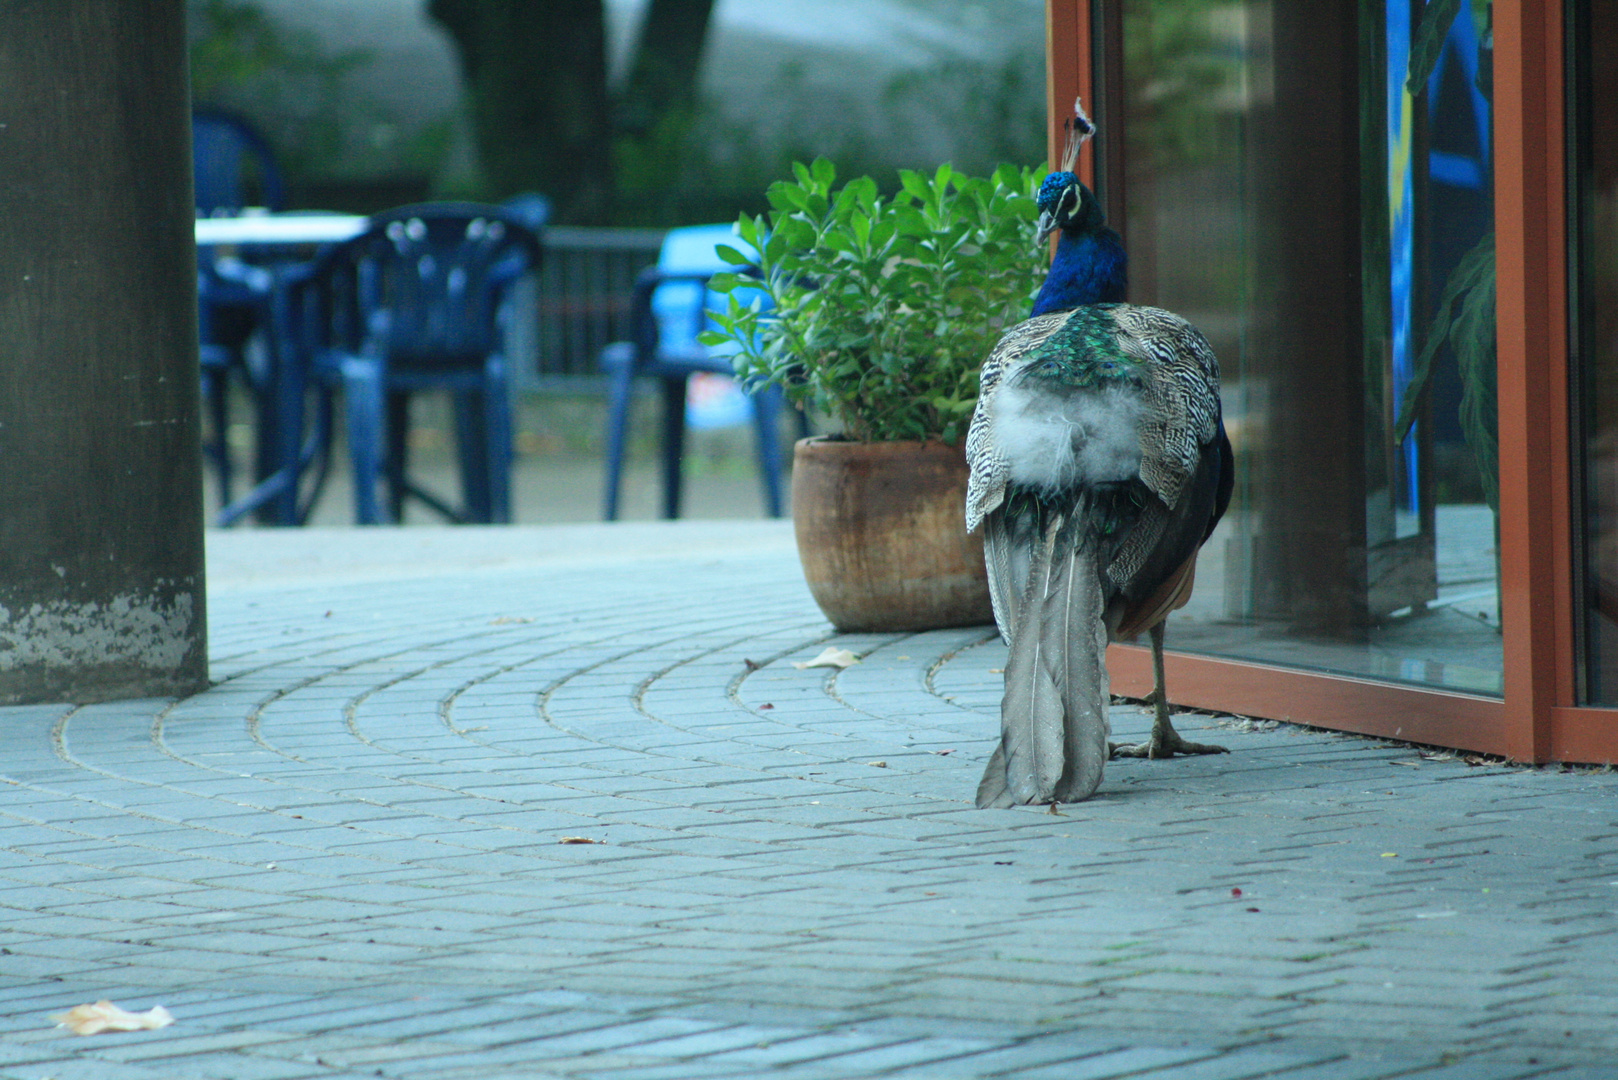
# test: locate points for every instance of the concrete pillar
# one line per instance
(101, 559)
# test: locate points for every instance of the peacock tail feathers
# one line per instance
(1054, 726)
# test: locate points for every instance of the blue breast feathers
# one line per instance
(1090, 268)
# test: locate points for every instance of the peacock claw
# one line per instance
(1161, 746)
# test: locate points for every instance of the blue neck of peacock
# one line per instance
(1090, 268)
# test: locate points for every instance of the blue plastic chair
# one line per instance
(412, 304)
(670, 307)
(233, 167)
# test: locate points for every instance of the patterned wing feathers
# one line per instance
(1183, 395)
(986, 487)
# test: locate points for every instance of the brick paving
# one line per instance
(349, 858)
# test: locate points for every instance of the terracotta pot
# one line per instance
(882, 535)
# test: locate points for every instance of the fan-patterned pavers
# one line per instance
(580, 815)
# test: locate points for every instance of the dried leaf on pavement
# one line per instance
(579, 840)
(105, 1016)
(830, 657)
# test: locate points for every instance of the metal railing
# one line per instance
(579, 301)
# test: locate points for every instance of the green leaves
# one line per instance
(878, 310)
(1436, 19)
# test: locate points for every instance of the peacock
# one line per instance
(1099, 465)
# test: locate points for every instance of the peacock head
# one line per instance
(1065, 203)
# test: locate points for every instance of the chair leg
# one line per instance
(767, 425)
(266, 414)
(216, 389)
(472, 454)
(673, 442)
(396, 462)
(316, 451)
(367, 434)
(497, 441)
(618, 401)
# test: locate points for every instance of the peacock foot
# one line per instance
(1163, 744)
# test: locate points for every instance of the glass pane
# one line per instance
(1595, 35)
(1323, 227)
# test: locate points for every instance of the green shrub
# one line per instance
(880, 310)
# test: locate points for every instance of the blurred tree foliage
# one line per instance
(241, 56)
(543, 116)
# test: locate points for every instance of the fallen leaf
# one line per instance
(997, 862)
(579, 840)
(766, 706)
(944, 753)
(1254, 910)
(877, 764)
(751, 665)
(105, 1016)
(1236, 893)
(507, 620)
(1390, 854)
(997, 671)
(901, 657)
(831, 656)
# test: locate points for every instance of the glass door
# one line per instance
(1594, 88)
(1324, 215)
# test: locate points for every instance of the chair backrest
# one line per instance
(423, 284)
(531, 208)
(680, 307)
(233, 165)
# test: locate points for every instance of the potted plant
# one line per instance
(877, 311)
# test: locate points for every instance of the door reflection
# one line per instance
(1324, 215)
(1595, 171)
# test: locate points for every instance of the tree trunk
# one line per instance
(536, 77)
(667, 58)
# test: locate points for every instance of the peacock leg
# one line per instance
(1164, 741)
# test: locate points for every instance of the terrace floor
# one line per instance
(363, 852)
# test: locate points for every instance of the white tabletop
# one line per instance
(279, 229)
